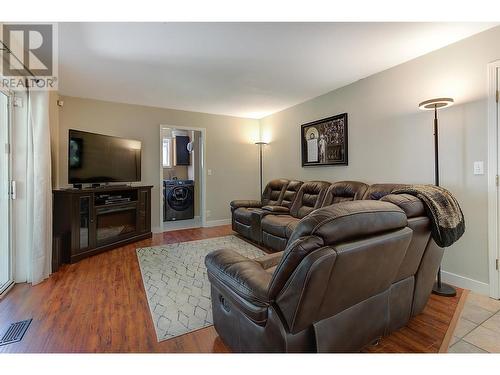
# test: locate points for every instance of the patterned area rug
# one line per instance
(176, 282)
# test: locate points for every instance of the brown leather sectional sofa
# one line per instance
(358, 263)
(270, 222)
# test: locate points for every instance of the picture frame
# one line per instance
(325, 142)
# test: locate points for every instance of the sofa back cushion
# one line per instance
(337, 257)
(309, 198)
(274, 192)
(333, 280)
(290, 193)
(332, 225)
(344, 191)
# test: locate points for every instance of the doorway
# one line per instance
(182, 177)
(493, 178)
(6, 278)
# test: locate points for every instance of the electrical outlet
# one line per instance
(209, 213)
(209, 172)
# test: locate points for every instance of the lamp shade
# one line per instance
(432, 104)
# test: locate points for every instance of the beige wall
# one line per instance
(230, 152)
(390, 140)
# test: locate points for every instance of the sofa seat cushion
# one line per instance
(244, 215)
(277, 224)
(238, 283)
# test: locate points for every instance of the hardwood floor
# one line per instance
(99, 305)
(429, 332)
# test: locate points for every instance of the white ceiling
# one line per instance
(241, 69)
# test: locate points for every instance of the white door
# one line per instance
(497, 265)
(5, 242)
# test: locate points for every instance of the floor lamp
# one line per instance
(260, 144)
(439, 287)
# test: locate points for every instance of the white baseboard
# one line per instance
(216, 223)
(466, 283)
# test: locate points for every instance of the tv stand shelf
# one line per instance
(105, 198)
(92, 220)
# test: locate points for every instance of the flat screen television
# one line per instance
(95, 158)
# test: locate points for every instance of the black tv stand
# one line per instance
(92, 220)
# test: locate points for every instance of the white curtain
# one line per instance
(39, 187)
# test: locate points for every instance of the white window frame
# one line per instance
(10, 283)
(167, 153)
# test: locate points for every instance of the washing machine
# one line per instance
(178, 200)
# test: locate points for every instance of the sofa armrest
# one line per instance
(270, 260)
(245, 203)
(244, 276)
(412, 206)
(276, 210)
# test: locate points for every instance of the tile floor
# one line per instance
(478, 330)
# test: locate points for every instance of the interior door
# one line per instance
(498, 160)
(5, 214)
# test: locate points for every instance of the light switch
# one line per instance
(209, 172)
(478, 168)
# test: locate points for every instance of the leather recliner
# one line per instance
(247, 214)
(331, 290)
(278, 225)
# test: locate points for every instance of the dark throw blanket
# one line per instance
(447, 219)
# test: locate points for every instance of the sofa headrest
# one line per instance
(291, 190)
(349, 221)
(277, 184)
(273, 193)
(309, 197)
(344, 191)
(377, 191)
(412, 206)
(294, 185)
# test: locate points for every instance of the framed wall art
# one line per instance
(324, 142)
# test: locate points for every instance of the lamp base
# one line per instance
(444, 290)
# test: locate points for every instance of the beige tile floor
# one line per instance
(478, 330)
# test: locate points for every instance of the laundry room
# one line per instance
(181, 174)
